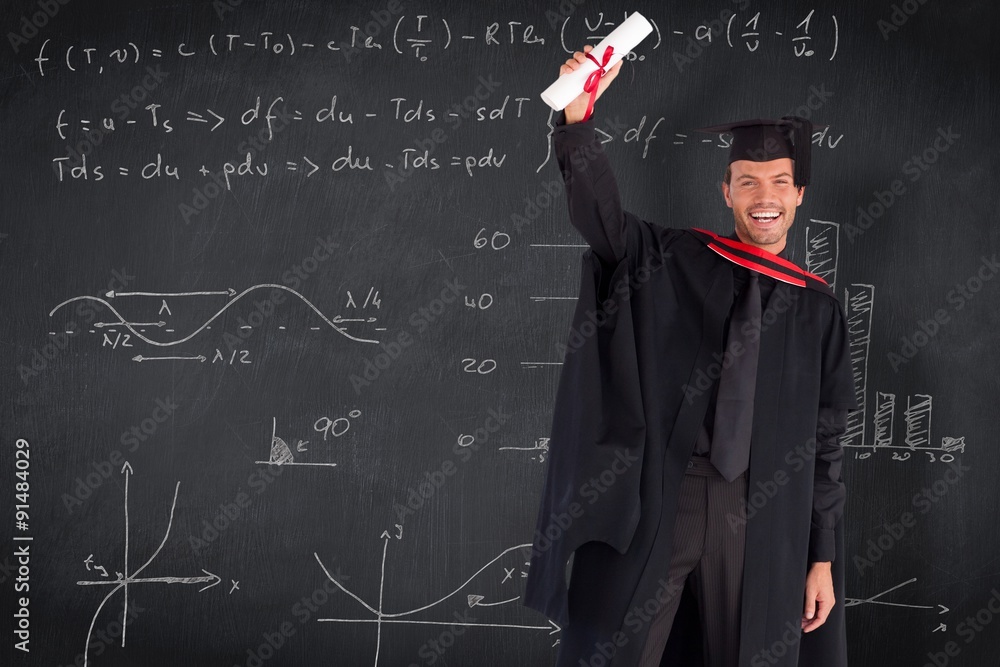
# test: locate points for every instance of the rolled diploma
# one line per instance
(623, 39)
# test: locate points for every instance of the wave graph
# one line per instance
(131, 326)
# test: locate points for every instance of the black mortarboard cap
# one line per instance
(760, 140)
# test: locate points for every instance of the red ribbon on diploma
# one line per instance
(593, 81)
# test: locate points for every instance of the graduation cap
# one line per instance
(760, 140)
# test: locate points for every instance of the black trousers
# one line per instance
(709, 547)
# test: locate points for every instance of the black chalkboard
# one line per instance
(284, 285)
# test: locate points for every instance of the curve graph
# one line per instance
(129, 325)
(381, 617)
(125, 578)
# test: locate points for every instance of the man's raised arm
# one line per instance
(592, 193)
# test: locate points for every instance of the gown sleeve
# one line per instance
(829, 492)
(837, 397)
(591, 189)
(837, 380)
(598, 415)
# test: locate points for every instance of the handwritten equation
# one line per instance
(78, 58)
(418, 36)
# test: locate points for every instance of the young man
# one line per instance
(695, 470)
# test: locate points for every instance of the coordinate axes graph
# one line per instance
(124, 579)
(137, 329)
(473, 600)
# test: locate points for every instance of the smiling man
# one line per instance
(759, 184)
(723, 371)
(763, 201)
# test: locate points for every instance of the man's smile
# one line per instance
(766, 218)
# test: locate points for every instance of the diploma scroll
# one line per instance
(622, 39)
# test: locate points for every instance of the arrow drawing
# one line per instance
(852, 602)
(209, 578)
(112, 294)
(292, 166)
(477, 601)
(161, 323)
(198, 118)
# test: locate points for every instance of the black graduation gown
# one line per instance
(626, 417)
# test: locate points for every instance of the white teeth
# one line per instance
(765, 215)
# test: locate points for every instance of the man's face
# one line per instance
(763, 198)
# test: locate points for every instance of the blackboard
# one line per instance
(285, 283)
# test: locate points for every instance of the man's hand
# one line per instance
(578, 107)
(819, 596)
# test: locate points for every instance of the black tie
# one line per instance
(730, 452)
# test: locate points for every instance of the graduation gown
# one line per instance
(646, 332)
